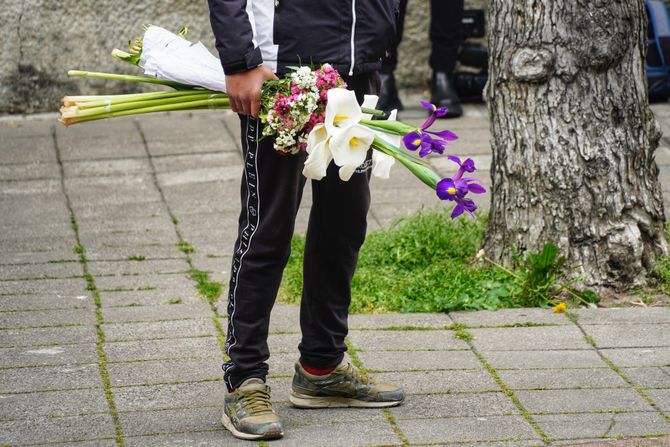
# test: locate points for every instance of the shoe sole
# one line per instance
(228, 424)
(306, 401)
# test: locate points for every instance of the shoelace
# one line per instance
(350, 369)
(257, 401)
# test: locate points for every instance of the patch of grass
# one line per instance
(660, 276)
(137, 258)
(186, 247)
(175, 301)
(210, 290)
(420, 264)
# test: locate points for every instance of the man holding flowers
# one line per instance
(259, 40)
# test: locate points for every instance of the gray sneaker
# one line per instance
(248, 413)
(346, 386)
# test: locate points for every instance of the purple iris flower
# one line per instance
(474, 186)
(452, 189)
(424, 142)
(467, 165)
(462, 206)
(413, 140)
(437, 112)
(455, 190)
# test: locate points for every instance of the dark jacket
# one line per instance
(351, 35)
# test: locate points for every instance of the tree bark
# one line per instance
(573, 137)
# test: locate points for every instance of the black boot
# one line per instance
(388, 94)
(444, 95)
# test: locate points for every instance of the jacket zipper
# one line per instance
(353, 34)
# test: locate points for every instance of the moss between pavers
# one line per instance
(640, 390)
(124, 289)
(508, 392)
(186, 247)
(394, 426)
(208, 289)
(456, 327)
(40, 278)
(177, 336)
(155, 359)
(389, 416)
(100, 345)
(17, 294)
(46, 326)
(100, 348)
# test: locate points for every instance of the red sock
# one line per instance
(317, 371)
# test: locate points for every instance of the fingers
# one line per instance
(255, 105)
(245, 106)
(244, 90)
(234, 104)
(239, 104)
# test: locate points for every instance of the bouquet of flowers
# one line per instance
(308, 110)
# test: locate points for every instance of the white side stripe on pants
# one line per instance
(246, 236)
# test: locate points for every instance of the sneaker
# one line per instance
(346, 386)
(248, 413)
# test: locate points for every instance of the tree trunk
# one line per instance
(573, 137)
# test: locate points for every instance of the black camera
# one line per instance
(470, 86)
(472, 77)
(474, 55)
(473, 23)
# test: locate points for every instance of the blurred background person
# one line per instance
(446, 35)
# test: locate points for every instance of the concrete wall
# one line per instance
(42, 39)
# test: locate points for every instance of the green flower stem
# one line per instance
(129, 78)
(143, 104)
(511, 273)
(217, 104)
(103, 101)
(503, 268)
(374, 112)
(421, 171)
(392, 127)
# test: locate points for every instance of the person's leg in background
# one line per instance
(446, 35)
(388, 92)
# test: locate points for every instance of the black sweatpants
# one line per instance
(446, 34)
(271, 191)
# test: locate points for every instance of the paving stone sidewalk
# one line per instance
(105, 339)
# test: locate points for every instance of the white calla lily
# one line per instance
(318, 148)
(342, 111)
(382, 163)
(349, 149)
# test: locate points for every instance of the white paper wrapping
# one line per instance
(167, 56)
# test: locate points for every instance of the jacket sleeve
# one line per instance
(234, 35)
